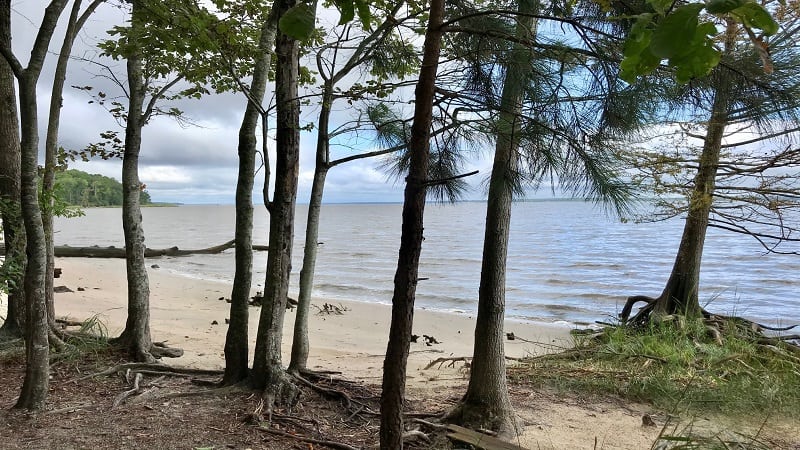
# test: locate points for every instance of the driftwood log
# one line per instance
(66, 251)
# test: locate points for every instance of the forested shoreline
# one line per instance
(78, 188)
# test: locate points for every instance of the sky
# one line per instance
(194, 163)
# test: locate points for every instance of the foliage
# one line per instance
(11, 269)
(75, 187)
(680, 367)
(684, 34)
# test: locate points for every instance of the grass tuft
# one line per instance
(678, 367)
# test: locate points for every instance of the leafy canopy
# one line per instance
(684, 36)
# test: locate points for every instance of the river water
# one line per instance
(568, 261)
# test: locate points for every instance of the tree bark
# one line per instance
(37, 351)
(680, 295)
(10, 178)
(236, 339)
(136, 336)
(486, 404)
(300, 345)
(405, 279)
(268, 373)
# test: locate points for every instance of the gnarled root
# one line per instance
(501, 422)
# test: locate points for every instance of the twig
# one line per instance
(452, 360)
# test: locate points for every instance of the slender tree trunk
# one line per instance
(486, 403)
(405, 279)
(236, 340)
(268, 373)
(37, 351)
(136, 335)
(74, 24)
(680, 295)
(10, 178)
(300, 343)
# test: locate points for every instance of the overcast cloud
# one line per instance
(188, 164)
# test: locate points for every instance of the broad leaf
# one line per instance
(754, 15)
(364, 14)
(298, 21)
(346, 9)
(673, 36)
(723, 6)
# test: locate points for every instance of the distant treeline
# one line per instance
(83, 189)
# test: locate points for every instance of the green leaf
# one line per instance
(640, 64)
(754, 15)
(660, 6)
(346, 9)
(672, 37)
(723, 6)
(364, 14)
(298, 22)
(697, 64)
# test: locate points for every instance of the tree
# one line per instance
(268, 373)
(547, 122)
(486, 403)
(726, 184)
(379, 40)
(74, 24)
(236, 339)
(13, 269)
(406, 276)
(35, 385)
(160, 44)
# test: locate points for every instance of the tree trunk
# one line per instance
(405, 279)
(136, 335)
(37, 351)
(10, 211)
(486, 405)
(236, 339)
(268, 373)
(300, 343)
(680, 295)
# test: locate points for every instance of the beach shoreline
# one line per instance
(190, 313)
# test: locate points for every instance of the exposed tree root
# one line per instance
(331, 444)
(162, 368)
(160, 350)
(717, 326)
(136, 388)
(336, 394)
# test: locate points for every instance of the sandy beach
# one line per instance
(184, 311)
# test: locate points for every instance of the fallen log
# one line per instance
(66, 251)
